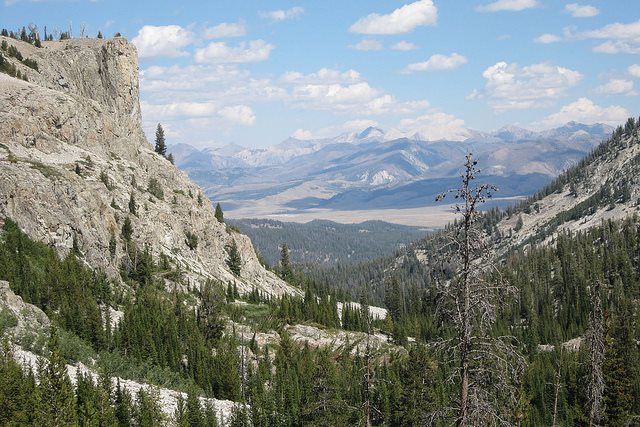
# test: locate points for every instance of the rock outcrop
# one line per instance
(73, 154)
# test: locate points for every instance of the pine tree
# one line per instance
(234, 262)
(56, 400)
(161, 146)
(113, 245)
(16, 391)
(285, 265)
(488, 368)
(219, 215)
(195, 416)
(127, 229)
(147, 411)
(123, 406)
(132, 204)
(210, 311)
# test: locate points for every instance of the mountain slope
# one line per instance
(73, 156)
(602, 186)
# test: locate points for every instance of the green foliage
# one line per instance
(40, 277)
(132, 204)
(155, 188)
(12, 52)
(319, 243)
(127, 229)
(113, 244)
(285, 265)
(147, 412)
(161, 146)
(17, 391)
(56, 403)
(7, 321)
(218, 213)
(234, 262)
(211, 309)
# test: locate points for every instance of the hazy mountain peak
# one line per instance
(371, 132)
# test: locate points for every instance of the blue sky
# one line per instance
(256, 72)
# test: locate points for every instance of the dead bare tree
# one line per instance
(595, 390)
(488, 366)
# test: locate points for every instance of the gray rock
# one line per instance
(82, 108)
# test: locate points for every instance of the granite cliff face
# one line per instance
(72, 153)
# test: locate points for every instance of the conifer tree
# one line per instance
(285, 265)
(488, 369)
(195, 416)
(56, 400)
(210, 311)
(218, 214)
(161, 146)
(147, 410)
(132, 204)
(234, 262)
(127, 229)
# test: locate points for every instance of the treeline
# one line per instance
(31, 34)
(10, 51)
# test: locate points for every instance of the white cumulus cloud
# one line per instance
(343, 92)
(402, 20)
(434, 126)
(168, 40)
(404, 45)
(616, 87)
(221, 53)
(324, 75)
(438, 62)
(581, 11)
(618, 38)
(507, 5)
(240, 114)
(282, 15)
(302, 134)
(368, 44)
(509, 86)
(634, 70)
(224, 30)
(585, 111)
(547, 38)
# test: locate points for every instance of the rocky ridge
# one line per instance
(73, 153)
(605, 186)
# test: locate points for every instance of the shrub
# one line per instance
(155, 188)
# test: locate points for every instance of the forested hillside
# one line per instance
(126, 301)
(326, 243)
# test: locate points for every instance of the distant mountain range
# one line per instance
(373, 169)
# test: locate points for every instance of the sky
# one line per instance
(255, 72)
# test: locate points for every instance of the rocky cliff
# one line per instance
(73, 154)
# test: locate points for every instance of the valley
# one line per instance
(388, 264)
